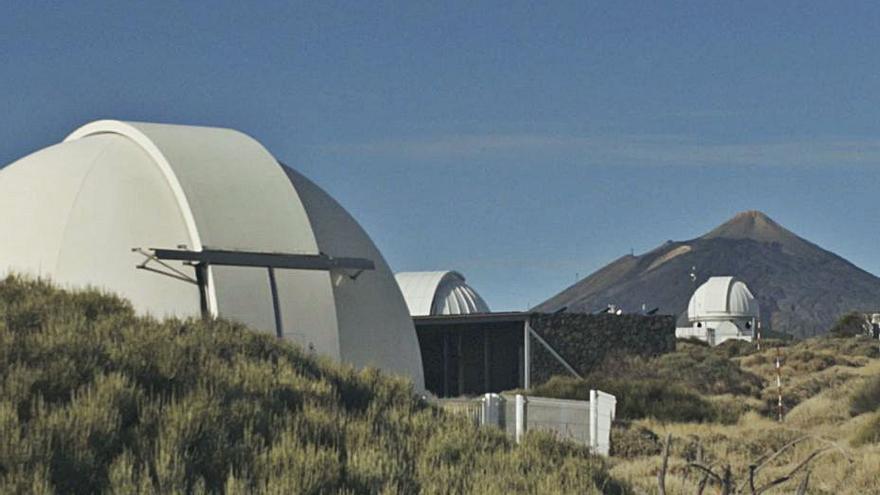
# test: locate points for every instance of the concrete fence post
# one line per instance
(520, 417)
(594, 420)
(491, 410)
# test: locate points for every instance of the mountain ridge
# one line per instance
(801, 288)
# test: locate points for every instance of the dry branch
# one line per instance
(701, 486)
(661, 476)
(706, 470)
(791, 473)
(802, 487)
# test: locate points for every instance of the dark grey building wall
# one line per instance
(585, 340)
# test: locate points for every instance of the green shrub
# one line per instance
(630, 442)
(96, 400)
(850, 325)
(695, 367)
(686, 341)
(734, 348)
(660, 400)
(866, 398)
(636, 399)
(858, 346)
(707, 370)
(804, 387)
(668, 387)
(728, 409)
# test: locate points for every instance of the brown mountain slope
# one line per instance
(802, 289)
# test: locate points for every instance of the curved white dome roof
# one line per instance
(722, 297)
(439, 293)
(75, 210)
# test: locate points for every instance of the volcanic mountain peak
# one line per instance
(757, 226)
(750, 224)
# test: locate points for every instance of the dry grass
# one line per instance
(93, 399)
(740, 445)
(821, 377)
(96, 400)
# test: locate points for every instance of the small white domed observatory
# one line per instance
(721, 309)
(439, 293)
(188, 220)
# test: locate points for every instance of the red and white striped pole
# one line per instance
(779, 384)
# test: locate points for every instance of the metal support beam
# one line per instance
(274, 260)
(202, 282)
(460, 365)
(202, 260)
(445, 364)
(552, 351)
(169, 271)
(486, 367)
(279, 326)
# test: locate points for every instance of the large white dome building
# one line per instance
(439, 293)
(217, 226)
(723, 308)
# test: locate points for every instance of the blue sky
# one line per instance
(521, 144)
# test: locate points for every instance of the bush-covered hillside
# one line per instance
(719, 405)
(670, 387)
(94, 399)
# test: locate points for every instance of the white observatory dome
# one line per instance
(188, 220)
(722, 298)
(439, 293)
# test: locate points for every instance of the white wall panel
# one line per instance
(124, 202)
(244, 295)
(374, 325)
(36, 193)
(307, 310)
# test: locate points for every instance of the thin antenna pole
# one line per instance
(758, 330)
(527, 356)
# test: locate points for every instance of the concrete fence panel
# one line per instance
(583, 422)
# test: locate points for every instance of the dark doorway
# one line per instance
(472, 354)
